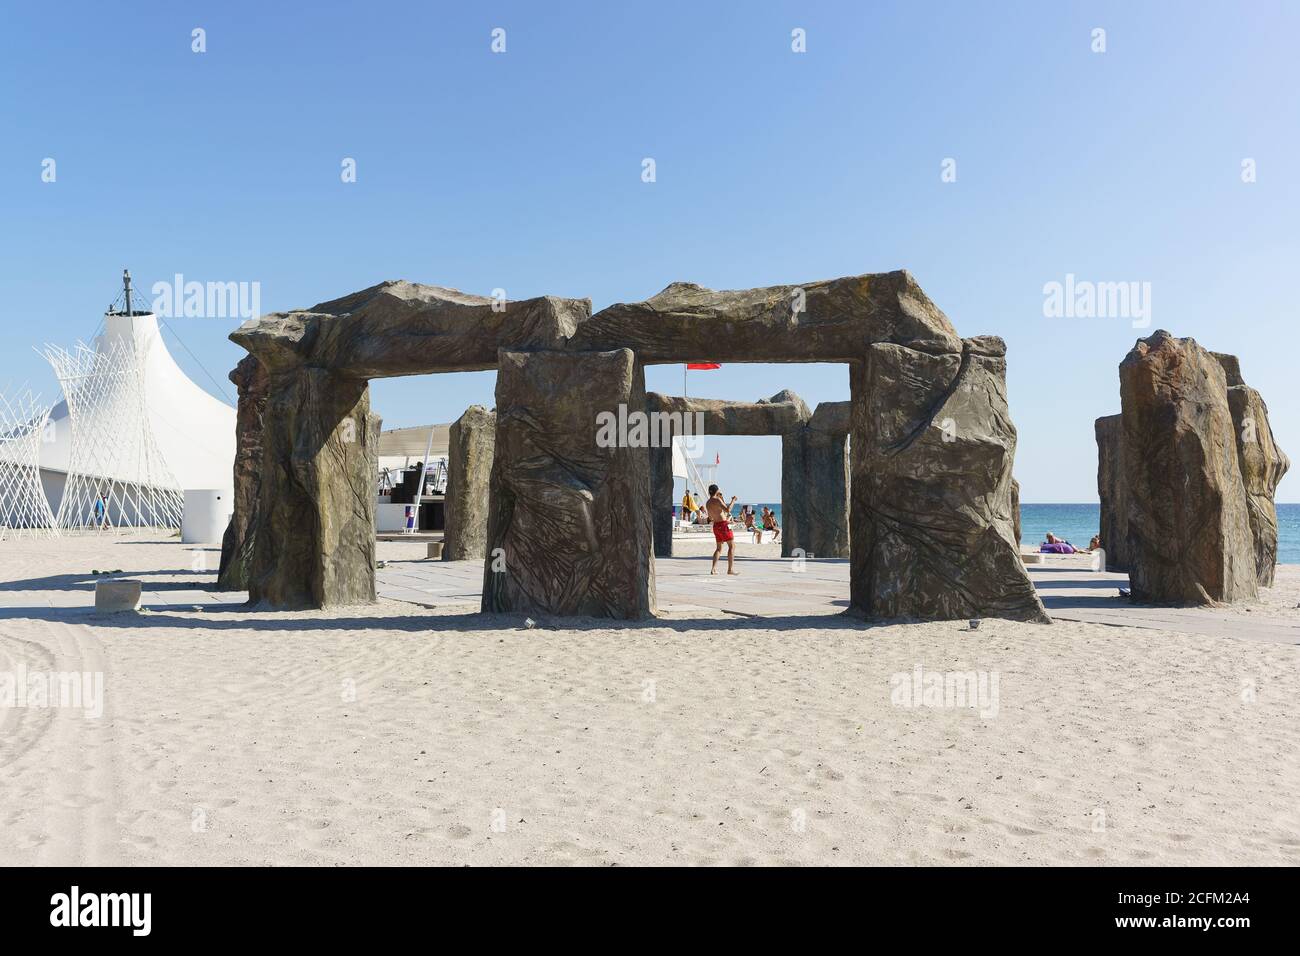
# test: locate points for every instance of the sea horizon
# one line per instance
(1077, 522)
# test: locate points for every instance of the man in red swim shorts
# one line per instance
(720, 515)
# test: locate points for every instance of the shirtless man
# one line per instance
(720, 515)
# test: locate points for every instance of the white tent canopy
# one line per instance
(412, 442)
(680, 469)
(192, 432)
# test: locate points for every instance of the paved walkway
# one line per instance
(766, 587)
(772, 588)
(1078, 594)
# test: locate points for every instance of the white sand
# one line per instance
(230, 738)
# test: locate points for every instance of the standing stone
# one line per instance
(471, 440)
(1015, 511)
(815, 484)
(1112, 488)
(1262, 465)
(569, 531)
(661, 499)
(315, 539)
(253, 382)
(932, 449)
(1189, 533)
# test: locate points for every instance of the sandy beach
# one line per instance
(398, 734)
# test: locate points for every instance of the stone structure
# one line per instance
(568, 532)
(1111, 490)
(1187, 476)
(1015, 511)
(469, 473)
(253, 384)
(931, 445)
(815, 484)
(784, 414)
(1262, 464)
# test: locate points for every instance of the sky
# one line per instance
(991, 149)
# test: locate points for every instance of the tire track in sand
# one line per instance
(70, 760)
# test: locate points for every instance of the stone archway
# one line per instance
(931, 444)
(814, 465)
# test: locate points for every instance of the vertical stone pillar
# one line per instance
(1015, 511)
(569, 532)
(253, 382)
(794, 493)
(932, 446)
(827, 488)
(472, 441)
(1189, 532)
(315, 542)
(1262, 462)
(661, 500)
(1111, 487)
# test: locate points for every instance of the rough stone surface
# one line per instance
(469, 478)
(315, 540)
(1015, 511)
(933, 445)
(930, 520)
(661, 500)
(568, 516)
(122, 594)
(783, 412)
(1189, 533)
(1262, 464)
(1112, 488)
(253, 383)
(825, 321)
(815, 485)
(401, 328)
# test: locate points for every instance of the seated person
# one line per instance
(769, 522)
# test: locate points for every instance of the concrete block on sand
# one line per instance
(122, 594)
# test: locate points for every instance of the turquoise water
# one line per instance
(1078, 523)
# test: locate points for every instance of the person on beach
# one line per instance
(769, 522)
(689, 507)
(747, 515)
(1055, 545)
(720, 515)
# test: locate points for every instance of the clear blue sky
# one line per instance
(523, 171)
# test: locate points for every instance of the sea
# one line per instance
(1078, 523)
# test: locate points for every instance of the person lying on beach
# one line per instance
(1055, 545)
(720, 515)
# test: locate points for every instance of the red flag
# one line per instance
(702, 366)
(717, 458)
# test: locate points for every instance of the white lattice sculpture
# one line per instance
(24, 509)
(116, 475)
